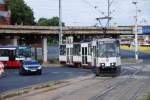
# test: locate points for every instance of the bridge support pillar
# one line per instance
(15, 40)
(45, 50)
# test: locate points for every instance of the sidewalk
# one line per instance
(52, 65)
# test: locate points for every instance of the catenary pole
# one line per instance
(60, 22)
(136, 31)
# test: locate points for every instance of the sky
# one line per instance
(85, 12)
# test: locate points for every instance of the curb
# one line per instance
(52, 65)
(25, 90)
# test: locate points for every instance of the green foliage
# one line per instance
(146, 97)
(21, 13)
(54, 21)
(52, 41)
(43, 22)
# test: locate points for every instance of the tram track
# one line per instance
(115, 85)
(93, 85)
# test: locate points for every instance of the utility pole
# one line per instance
(108, 12)
(136, 31)
(107, 17)
(60, 23)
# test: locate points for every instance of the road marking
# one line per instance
(55, 72)
(68, 72)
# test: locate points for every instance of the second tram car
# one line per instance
(75, 54)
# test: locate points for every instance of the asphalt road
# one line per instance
(13, 80)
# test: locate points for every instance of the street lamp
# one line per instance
(60, 23)
(135, 31)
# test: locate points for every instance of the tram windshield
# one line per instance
(24, 51)
(108, 49)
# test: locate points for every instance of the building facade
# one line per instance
(5, 14)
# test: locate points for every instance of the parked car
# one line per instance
(1, 69)
(29, 67)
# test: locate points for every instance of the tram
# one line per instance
(12, 56)
(99, 54)
(106, 55)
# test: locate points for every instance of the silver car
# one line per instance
(29, 67)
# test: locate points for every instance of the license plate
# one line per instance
(33, 70)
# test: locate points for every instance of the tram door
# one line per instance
(84, 54)
(94, 54)
(69, 53)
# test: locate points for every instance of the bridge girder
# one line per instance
(44, 30)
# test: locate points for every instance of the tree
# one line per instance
(21, 13)
(43, 22)
(54, 21)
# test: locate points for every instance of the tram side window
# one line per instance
(76, 49)
(118, 48)
(12, 54)
(62, 50)
(3, 52)
(89, 49)
(6, 53)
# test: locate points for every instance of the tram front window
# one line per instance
(25, 52)
(108, 50)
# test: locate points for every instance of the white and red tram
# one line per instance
(12, 56)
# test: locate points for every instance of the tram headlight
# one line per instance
(102, 64)
(113, 64)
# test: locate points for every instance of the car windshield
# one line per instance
(30, 62)
(108, 49)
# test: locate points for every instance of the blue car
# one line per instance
(29, 67)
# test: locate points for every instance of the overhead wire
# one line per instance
(93, 6)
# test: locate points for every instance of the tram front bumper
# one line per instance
(110, 65)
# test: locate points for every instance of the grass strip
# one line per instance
(140, 48)
(131, 60)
